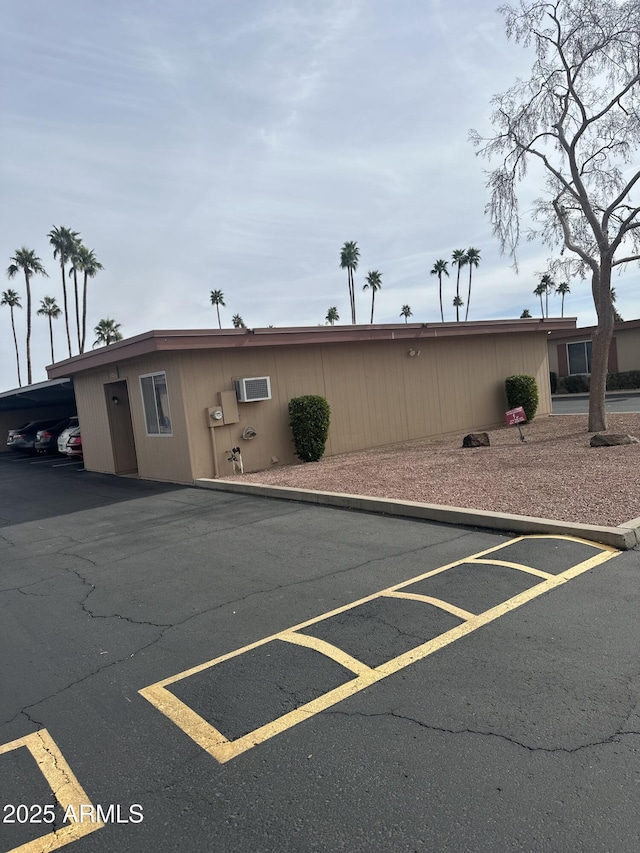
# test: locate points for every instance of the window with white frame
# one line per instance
(155, 401)
(579, 357)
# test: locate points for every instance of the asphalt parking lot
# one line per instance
(206, 671)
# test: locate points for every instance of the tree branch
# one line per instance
(568, 240)
(625, 260)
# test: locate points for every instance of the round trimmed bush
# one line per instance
(522, 391)
(309, 417)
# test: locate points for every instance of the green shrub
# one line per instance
(626, 380)
(309, 417)
(522, 391)
(578, 384)
(553, 377)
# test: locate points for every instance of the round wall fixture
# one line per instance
(248, 433)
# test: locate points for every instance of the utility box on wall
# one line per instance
(229, 405)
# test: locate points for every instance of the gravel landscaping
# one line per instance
(553, 474)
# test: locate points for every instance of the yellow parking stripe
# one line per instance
(65, 787)
(327, 649)
(520, 567)
(223, 750)
(428, 599)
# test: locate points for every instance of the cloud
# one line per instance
(237, 146)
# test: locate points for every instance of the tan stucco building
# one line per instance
(168, 404)
(570, 350)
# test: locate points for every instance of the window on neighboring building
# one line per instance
(579, 357)
(155, 401)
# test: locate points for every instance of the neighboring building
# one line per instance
(164, 404)
(570, 351)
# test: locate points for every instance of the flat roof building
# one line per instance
(170, 405)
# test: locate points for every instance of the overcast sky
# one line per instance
(202, 144)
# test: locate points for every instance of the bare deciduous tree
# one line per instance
(578, 118)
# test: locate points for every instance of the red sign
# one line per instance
(515, 416)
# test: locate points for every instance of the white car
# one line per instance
(63, 438)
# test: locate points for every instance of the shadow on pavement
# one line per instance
(32, 492)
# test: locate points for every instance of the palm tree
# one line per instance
(562, 289)
(616, 316)
(406, 313)
(238, 322)
(332, 315)
(76, 266)
(540, 289)
(107, 332)
(49, 308)
(11, 298)
(349, 257)
(549, 284)
(217, 299)
(64, 243)
(526, 314)
(457, 304)
(440, 269)
(27, 261)
(85, 261)
(459, 259)
(473, 260)
(374, 281)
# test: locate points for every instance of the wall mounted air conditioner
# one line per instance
(253, 388)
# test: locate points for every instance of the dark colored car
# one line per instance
(74, 444)
(22, 440)
(47, 439)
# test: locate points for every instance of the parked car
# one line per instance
(74, 444)
(63, 438)
(12, 432)
(47, 439)
(23, 439)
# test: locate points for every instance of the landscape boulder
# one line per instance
(476, 439)
(602, 439)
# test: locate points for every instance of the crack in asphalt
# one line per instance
(367, 618)
(91, 562)
(54, 758)
(92, 588)
(489, 734)
(24, 586)
(24, 711)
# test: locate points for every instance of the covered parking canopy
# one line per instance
(52, 399)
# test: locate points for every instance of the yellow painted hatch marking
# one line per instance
(520, 567)
(429, 599)
(223, 749)
(66, 789)
(329, 650)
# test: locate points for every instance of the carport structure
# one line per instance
(52, 399)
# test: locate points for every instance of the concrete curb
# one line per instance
(623, 537)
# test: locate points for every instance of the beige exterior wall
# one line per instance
(94, 426)
(628, 343)
(378, 394)
(627, 348)
(159, 457)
